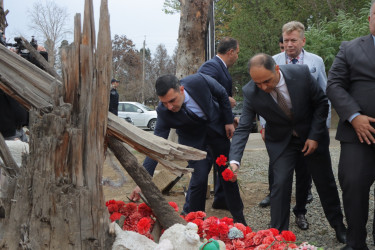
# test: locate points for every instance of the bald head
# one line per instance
(262, 60)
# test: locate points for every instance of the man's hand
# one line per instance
(234, 168)
(363, 128)
(236, 120)
(232, 102)
(229, 129)
(310, 147)
(134, 196)
(263, 133)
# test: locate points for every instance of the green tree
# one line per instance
(325, 37)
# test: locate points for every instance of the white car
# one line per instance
(141, 115)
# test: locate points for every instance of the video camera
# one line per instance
(22, 51)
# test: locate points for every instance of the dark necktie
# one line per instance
(282, 103)
(294, 60)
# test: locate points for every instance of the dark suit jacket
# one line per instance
(309, 108)
(204, 90)
(351, 84)
(217, 70)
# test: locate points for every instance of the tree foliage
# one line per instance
(325, 37)
(49, 21)
(257, 26)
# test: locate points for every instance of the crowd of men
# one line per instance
(289, 92)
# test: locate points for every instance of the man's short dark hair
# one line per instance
(281, 39)
(226, 44)
(262, 60)
(165, 83)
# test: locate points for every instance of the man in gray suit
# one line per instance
(295, 109)
(351, 89)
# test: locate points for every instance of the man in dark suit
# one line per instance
(351, 90)
(217, 68)
(295, 109)
(191, 109)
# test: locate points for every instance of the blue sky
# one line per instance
(137, 19)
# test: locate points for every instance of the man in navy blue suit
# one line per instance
(217, 68)
(193, 106)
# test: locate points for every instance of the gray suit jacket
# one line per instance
(351, 84)
(317, 70)
(309, 107)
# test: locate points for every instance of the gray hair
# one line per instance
(295, 25)
(372, 4)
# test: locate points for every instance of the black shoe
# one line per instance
(341, 234)
(302, 222)
(266, 201)
(219, 205)
(310, 197)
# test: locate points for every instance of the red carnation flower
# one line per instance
(144, 210)
(221, 160)
(268, 240)
(274, 231)
(144, 225)
(223, 229)
(200, 215)
(130, 208)
(112, 208)
(227, 174)
(110, 202)
(226, 220)
(240, 227)
(115, 216)
(288, 236)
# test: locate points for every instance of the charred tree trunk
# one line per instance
(59, 201)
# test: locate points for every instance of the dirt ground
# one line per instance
(255, 192)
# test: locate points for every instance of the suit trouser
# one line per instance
(356, 175)
(319, 166)
(303, 184)
(196, 195)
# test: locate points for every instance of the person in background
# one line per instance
(351, 89)
(114, 97)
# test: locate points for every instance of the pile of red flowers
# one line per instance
(140, 219)
(238, 236)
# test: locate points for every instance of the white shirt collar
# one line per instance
(222, 61)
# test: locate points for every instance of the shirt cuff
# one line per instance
(353, 116)
(235, 162)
